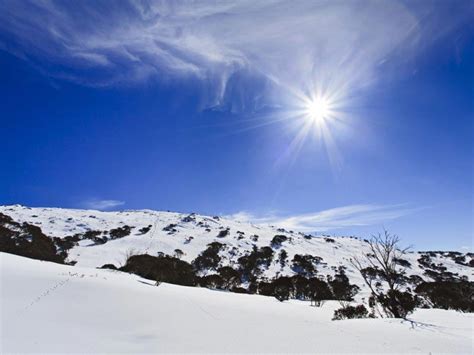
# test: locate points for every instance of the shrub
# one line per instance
(282, 257)
(67, 243)
(170, 228)
(209, 258)
(239, 290)
(252, 263)
(305, 264)
(402, 262)
(211, 281)
(94, 236)
(387, 268)
(28, 240)
(108, 266)
(351, 312)
(190, 218)
(278, 240)
(400, 303)
(91, 234)
(456, 295)
(161, 268)
(120, 232)
(301, 289)
(319, 291)
(341, 288)
(145, 230)
(178, 253)
(230, 277)
(223, 233)
(281, 288)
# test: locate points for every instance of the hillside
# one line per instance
(48, 307)
(98, 238)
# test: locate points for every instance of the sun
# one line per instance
(318, 109)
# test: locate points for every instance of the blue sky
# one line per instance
(204, 107)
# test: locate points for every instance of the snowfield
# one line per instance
(47, 307)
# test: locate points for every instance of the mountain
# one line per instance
(96, 291)
(91, 238)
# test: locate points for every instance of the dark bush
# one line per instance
(223, 233)
(442, 275)
(211, 281)
(281, 288)
(400, 303)
(239, 290)
(278, 240)
(319, 291)
(170, 228)
(161, 268)
(415, 280)
(282, 257)
(351, 312)
(120, 232)
(95, 237)
(251, 264)
(145, 230)
(457, 295)
(178, 253)
(108, 266)
(209, 259)
(190, 218)
(301, 289)
(305, 264)
(67, 243)
(341, 288)
(402, 262)
(28, 240)
(230, 277)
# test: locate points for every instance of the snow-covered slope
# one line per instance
(153, 232)
(47, 307)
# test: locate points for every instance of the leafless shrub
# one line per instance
(384, 276)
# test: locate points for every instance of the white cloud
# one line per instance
(344, 44)
(102, 204)
(331, 219)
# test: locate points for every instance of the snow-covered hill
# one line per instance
(152, 232)
(53, 308)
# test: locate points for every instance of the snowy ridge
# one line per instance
(153, 232)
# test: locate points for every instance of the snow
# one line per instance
(47, 307)
(58, 222)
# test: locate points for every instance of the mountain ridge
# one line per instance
(96, 238)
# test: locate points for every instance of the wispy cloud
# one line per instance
(102, 204)
(228, 45)
(334, 218)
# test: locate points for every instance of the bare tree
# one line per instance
(383, 273)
